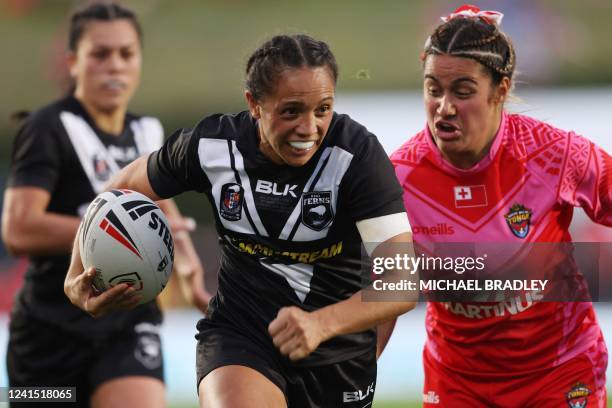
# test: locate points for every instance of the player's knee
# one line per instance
(219, 398)
(130, 391)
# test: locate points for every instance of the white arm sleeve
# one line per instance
(374, 231)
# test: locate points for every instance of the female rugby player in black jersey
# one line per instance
(296, 189)
(63, 156)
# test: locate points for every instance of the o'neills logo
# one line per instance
(519, 219)
(439, 229)
(431, 398)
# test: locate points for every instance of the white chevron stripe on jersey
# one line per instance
(329, 180)
(88, 147)
(297, 211)
(298, 276)
(148, 134)
(249, 200)
(214, 156)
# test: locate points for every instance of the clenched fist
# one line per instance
(296, 333)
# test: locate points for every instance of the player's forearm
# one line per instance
(383, 334)
(187, 264)
(134, 177)
(75, 268)
(43, 234)
(354, 315)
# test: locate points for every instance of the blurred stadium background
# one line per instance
(195, 51)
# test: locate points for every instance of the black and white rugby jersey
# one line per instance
(60, 149)
(288, 234)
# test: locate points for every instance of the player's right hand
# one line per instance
(78, 286)
(296, 333)
(119, 297)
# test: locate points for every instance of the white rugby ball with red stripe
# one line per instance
(126, 237)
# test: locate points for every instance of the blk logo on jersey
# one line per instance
(132, 279)
(359, 395)
(317, 212)
(470, 196)
(519, 219)
(268, 187)
(232, 196)
(578, 395)
(113, 227)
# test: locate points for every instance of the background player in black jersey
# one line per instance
(296, 189)
(63, 156)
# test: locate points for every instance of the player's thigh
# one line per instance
(237, 370)
(579, 382)
(235, 386)
(444, 388)
(347, 384)
(41, 354)
(131, 391)
(129, 364)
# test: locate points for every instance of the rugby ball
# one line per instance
(126, 237)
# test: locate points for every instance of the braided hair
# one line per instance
(475, 38)
(281, 52)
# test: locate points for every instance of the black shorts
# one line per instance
(40, 354)
(346, 384)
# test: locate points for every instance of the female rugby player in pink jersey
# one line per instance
(500, 177)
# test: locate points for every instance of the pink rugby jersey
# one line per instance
(523, 191)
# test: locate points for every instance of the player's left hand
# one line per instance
(190, 272)
(190, 275)
(180, 224)
(296, 333)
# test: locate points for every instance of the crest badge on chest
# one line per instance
(101, 168)
(519, 220)
(317, 211)
(232, 196)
